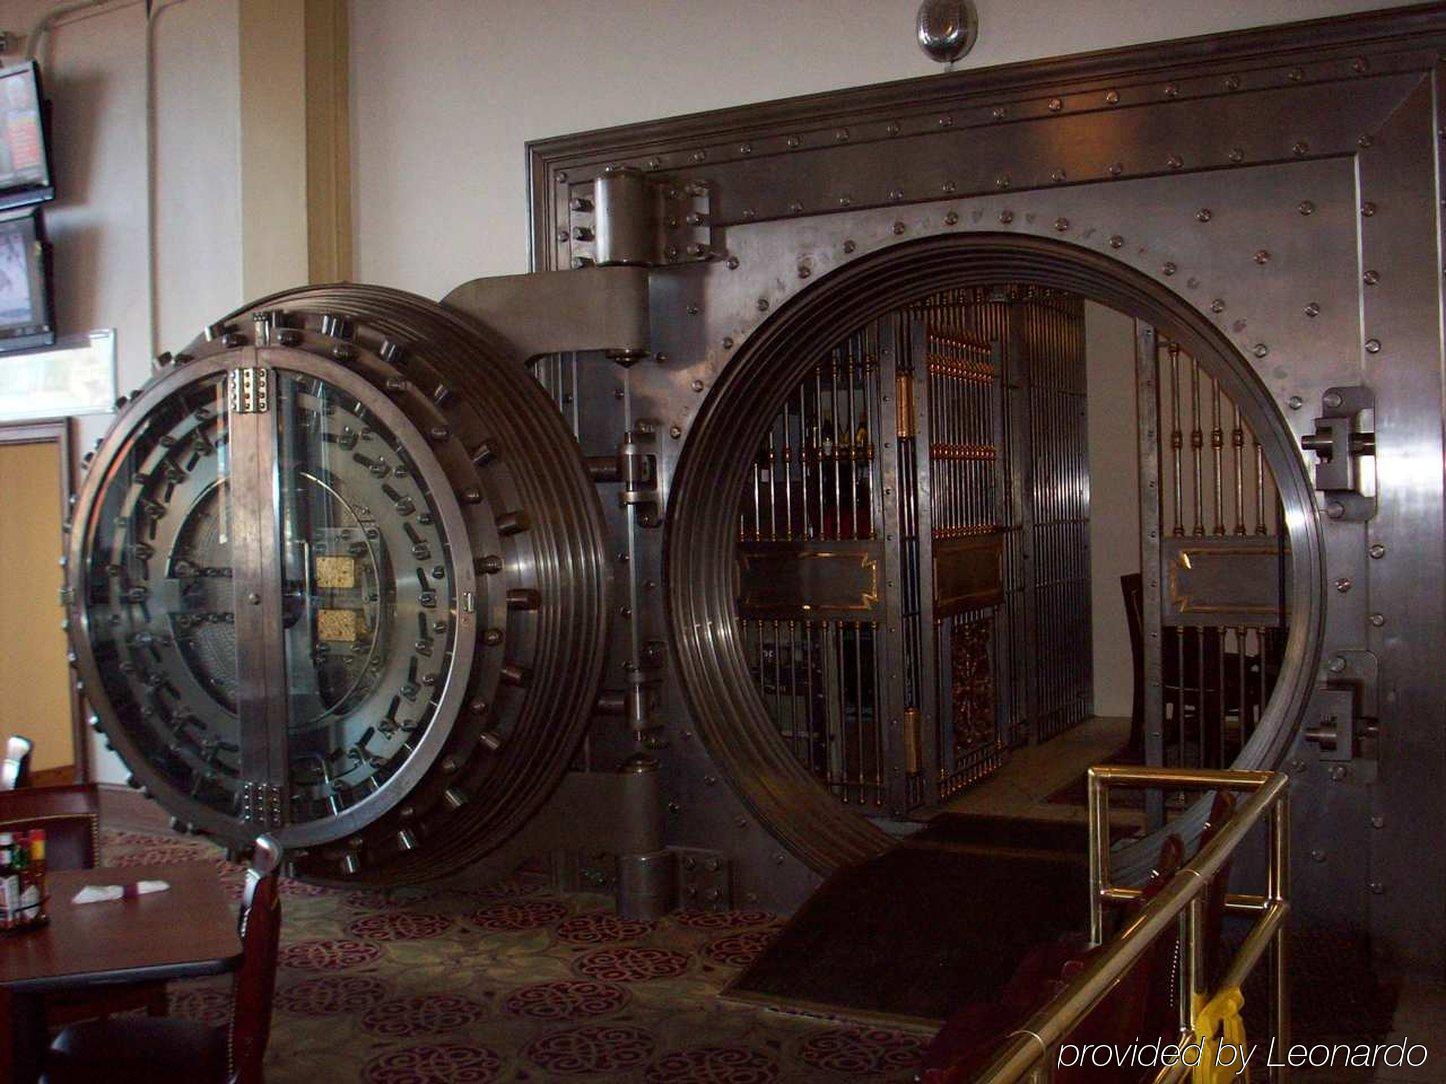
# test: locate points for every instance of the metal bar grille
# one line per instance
(1216, 678)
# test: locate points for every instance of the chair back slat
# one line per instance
(255, 985)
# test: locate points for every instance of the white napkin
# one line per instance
(102, 893)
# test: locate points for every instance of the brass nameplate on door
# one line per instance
(1222, 581)
(810, 581)
(967, 574)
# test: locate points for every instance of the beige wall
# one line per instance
(446, 92)
(1114, 499)
(34, 676)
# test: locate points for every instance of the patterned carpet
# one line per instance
(515, 982)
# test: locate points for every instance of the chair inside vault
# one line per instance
(132, 1050)
(70, 818)
(1201, 682)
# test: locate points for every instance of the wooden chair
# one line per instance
(1201, 681)
(139, 1049)
(70, 817)
(15, 771)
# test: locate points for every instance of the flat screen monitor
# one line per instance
(26, 316)
(24, 149)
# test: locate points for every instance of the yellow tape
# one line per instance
(1218, 1021)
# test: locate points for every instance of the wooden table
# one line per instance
(186, 931)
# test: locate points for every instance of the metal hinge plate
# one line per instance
(248, 390)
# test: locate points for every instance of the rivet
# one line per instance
(1236, 155)
(762, 304)
(1218, 305)
(697, 385)
(1378, 821)
(1261, 350)
(745, 148)
(1204, 214)
(655, 163)
(898, 228)
(1301, 148)
(845, 201)
(1171, 90)
(1377, 888)
(1364, 141)
(727, 342)
(1168, 269)
(850, 246)
(1360, 65)
(562, 237)
(1343, 584)
(1378, 620)
(1338, 773)
(1373, 346)
(948, 187)
(946, 121)
(792, 142)
(842, 135)
(951, 219)
(700, 156)
(1370, 278)
(896, 194)
(795, 207)
(1262, 256)
(675, 431)
(1232, 82)
(1306, 207)
(1114, 169)
(1061, 224)
(1174, 161)
(1001, 181)
(892, 128)
(1055, 105)
(1117, 241)
(732, 263)
(749, 214)
(1335, 510)
(1057, 176)
(1296, 75)
(1377, 551)
(804, 270)
(493, 637)
(1295, 402)
(561, 176)
(1112, 97)
(1368, 209)
(997, 112)
(1317, 855)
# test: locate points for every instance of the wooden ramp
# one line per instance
(940, 920)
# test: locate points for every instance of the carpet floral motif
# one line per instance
(514, 981)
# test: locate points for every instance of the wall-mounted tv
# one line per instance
(25, 175)
(26, 316)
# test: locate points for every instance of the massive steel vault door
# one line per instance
(338, 573)
(1268, 201)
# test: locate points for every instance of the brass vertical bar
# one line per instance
(1217, 451)
(853, 443)
(772, 484)
(1197, 444)
(835, 454)
(1237, 458)
(1177, 439)
(1147, 380)
(1259, 486)
(788, 469)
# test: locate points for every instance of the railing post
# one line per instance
(1278, 890)
(1098, 796)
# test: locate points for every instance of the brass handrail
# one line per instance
(1030, 1053)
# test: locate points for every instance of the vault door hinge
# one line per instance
(248, 390)
(1344, 442)
(635, 469)
(626, 217)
